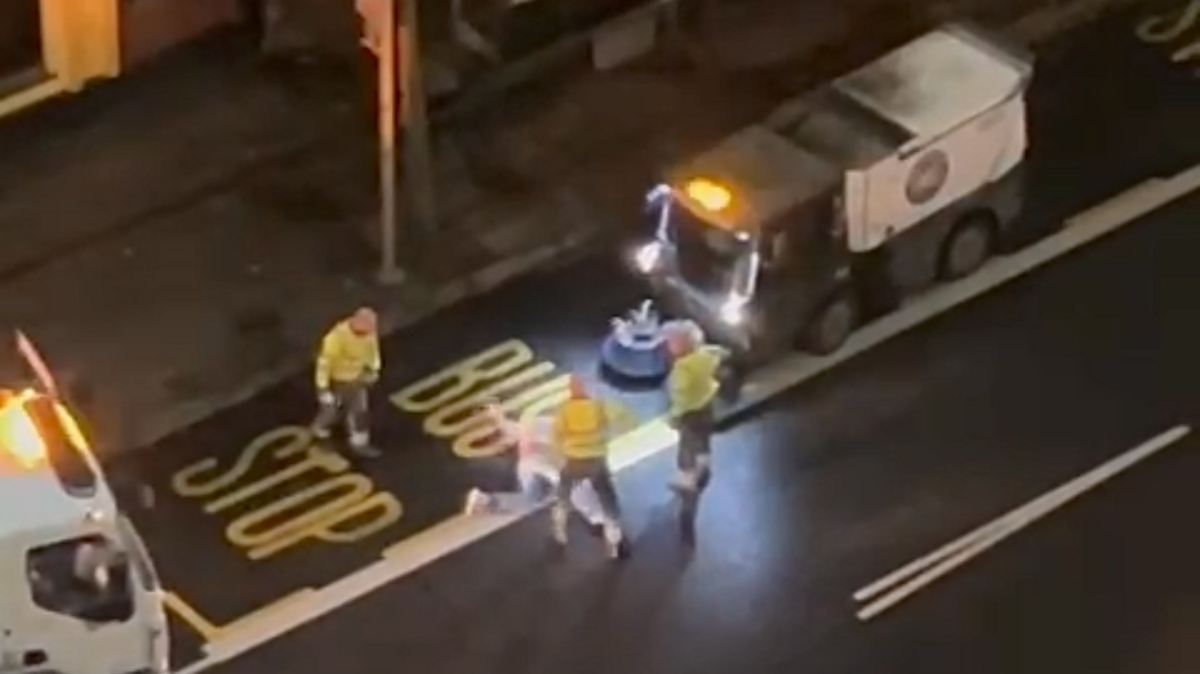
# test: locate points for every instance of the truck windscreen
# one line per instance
(709, 257)
(85, 578)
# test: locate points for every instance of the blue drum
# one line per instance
(635, 349)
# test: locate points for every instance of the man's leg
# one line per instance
(601, 480)
(586, 502)
(354, 400)
(560, 507)
(532, 489)
(327, 416)
(694, 455)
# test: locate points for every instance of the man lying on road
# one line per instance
(538, 471)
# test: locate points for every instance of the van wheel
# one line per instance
(967, 247)
(831, 325)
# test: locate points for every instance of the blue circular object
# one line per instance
(635, 354)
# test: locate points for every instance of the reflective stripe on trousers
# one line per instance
(350, 401)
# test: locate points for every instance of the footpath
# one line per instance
(179, 240)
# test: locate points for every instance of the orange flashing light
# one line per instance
(710, 195)
(20, 436)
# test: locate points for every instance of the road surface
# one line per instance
(886, 460)
(887, 457)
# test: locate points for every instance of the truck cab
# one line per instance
(78, 591)
(844, 201)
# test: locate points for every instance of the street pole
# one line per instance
(418, 161)
(389, 269)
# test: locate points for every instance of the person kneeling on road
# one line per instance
(538, 469)
(348, 364)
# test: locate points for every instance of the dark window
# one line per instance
(86, 578)
(20, 37)
(709, 256)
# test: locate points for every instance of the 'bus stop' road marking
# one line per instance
(655, 436)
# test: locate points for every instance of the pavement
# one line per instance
(887, 457)
(218, 210)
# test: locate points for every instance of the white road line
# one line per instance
(425, 548)
(1079, 231)
(402, 559)
(907, 581)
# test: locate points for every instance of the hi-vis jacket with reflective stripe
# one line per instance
(693, 383)
(347, 356)
(581, 429)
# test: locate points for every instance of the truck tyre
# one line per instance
(831, 325)
(968, 245)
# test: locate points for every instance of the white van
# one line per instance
(78, 592)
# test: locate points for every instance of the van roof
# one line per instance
(938, 81)
(768, 174)
(39, 497)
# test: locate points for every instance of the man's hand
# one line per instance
(325, 397)
(370, 377)
(719, 352)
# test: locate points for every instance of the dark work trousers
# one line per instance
(350, 402)
(694, 461)
(574, 473)
(694, 456)
(595, 471)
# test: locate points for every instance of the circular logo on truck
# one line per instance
(928, 176)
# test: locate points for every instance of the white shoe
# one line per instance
(614, 540)
(683, 482)
(478, 503)
(596, 527)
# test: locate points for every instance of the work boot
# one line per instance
(614, 541)
(478, 503)
(684, 482)
(360, 444)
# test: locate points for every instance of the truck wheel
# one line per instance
(967, 247)
(831, 325)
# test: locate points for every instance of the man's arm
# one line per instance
(325, 358)
(376, 364)
(678, 387)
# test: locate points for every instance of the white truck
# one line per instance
(794, 231)
(78, 591)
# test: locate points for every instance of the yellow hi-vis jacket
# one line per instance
(693, 383)
(347, 357)
(581, 429)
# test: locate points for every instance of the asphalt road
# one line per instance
(925, 439)
(1106, 587)
(903, 447)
